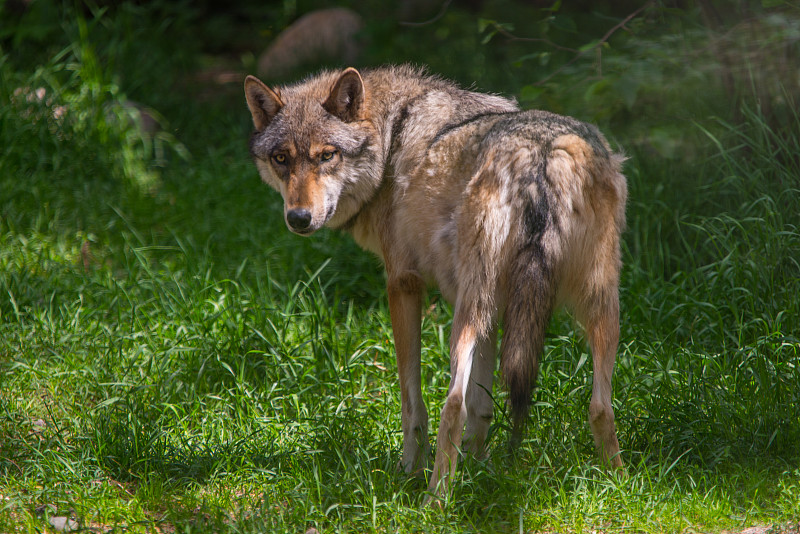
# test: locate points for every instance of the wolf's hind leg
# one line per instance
(405, 294)
(463, 344)
(602, 329)
(591, 280)
(597, 309)
(479, 399)
(484, 223)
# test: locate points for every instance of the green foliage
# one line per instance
(171, 358)
(728, 297)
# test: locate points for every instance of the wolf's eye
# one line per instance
(280, 159)
(327, 155)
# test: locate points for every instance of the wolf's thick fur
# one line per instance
(510, 213)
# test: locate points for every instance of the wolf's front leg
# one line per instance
(405, 308)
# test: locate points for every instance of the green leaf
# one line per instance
(530, 92)
(555, 7)
(590, 45)
(596, 89)
(485, 23)
(564, 23)
(543, 57)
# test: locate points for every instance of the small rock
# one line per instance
(144, 117)
(326, 34)
(63, 524)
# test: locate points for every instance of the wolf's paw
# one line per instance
(415, 468)
(415, 462)
(433, 501)
(620, 471)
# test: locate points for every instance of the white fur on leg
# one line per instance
(454, 413)
(479, 399)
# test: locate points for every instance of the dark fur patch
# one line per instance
(541, 128)
(399, 125)
(537, 212)
(465, 122)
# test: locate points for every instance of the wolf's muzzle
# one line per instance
(299, 219)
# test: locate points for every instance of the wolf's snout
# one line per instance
(299, 219)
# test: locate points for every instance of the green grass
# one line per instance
(173, 359)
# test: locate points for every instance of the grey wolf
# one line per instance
(510, 213)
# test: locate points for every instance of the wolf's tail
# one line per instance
(530, 303)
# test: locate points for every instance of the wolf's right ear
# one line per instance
(264, 103)
(346, 100)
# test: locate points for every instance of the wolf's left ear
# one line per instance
(346, 100)
(263, 102)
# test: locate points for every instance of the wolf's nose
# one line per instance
(299, 219)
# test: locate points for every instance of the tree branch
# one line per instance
(511, 37)
(597, 46)
(429, 21)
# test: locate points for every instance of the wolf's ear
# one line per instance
(264, 103)
(346, 100)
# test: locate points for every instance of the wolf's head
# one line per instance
(315, 144)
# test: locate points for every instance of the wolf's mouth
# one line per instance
(304, 232)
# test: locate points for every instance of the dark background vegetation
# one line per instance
(163, 333)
